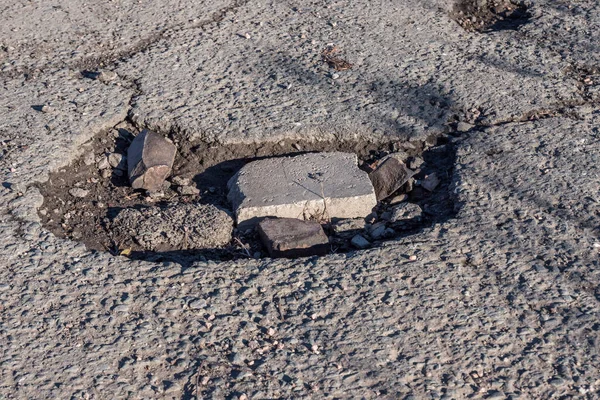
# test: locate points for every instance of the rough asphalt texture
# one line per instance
(502, 301)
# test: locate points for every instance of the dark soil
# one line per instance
(490, 15)
(88, 219)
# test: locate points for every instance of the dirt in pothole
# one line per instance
(82, 201)
(490, 15)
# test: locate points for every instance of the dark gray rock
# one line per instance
(389, 176)
(290, 237)
(360, 242)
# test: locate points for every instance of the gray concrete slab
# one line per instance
(501, 300)
(318, 186)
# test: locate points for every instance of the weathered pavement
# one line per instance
(502, 301)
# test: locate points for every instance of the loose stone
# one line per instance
(405, 212)
(360, 242)
(389, 176)
(180, 181)
(289, 237)
(378, 231)
(348, 226)
(399, 199)
(151, 158)
(430, 182)
(319, 186)
(117, 160)
(103, 163)
(188, 190)
(416, 163)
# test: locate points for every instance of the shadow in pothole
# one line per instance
(90, 219)
(489, 16)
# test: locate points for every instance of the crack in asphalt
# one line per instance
(145, 44)
(103, 60)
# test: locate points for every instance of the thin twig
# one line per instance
(244, 246)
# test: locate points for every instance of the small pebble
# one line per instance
(360, 242)
(78, 192)
(115, 160)
(399, 199)
(103, 163)
(89, 158)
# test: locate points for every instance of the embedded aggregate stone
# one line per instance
(290, 237)
(78, 192)
(150, 159)
(307, 186)
(174, 227)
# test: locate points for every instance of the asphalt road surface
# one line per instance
(500, 301)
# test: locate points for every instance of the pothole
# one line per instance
(191, 218)
(490, 15)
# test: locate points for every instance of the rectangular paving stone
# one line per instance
(317, 186)
(290, 237)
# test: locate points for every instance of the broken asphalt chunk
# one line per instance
(150, 159)
(178, 226)
(406, 212)
(290, 237)
(389, 176)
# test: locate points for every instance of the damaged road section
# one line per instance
(206, 201)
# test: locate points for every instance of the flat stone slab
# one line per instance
(290, 237)
(317, 186)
